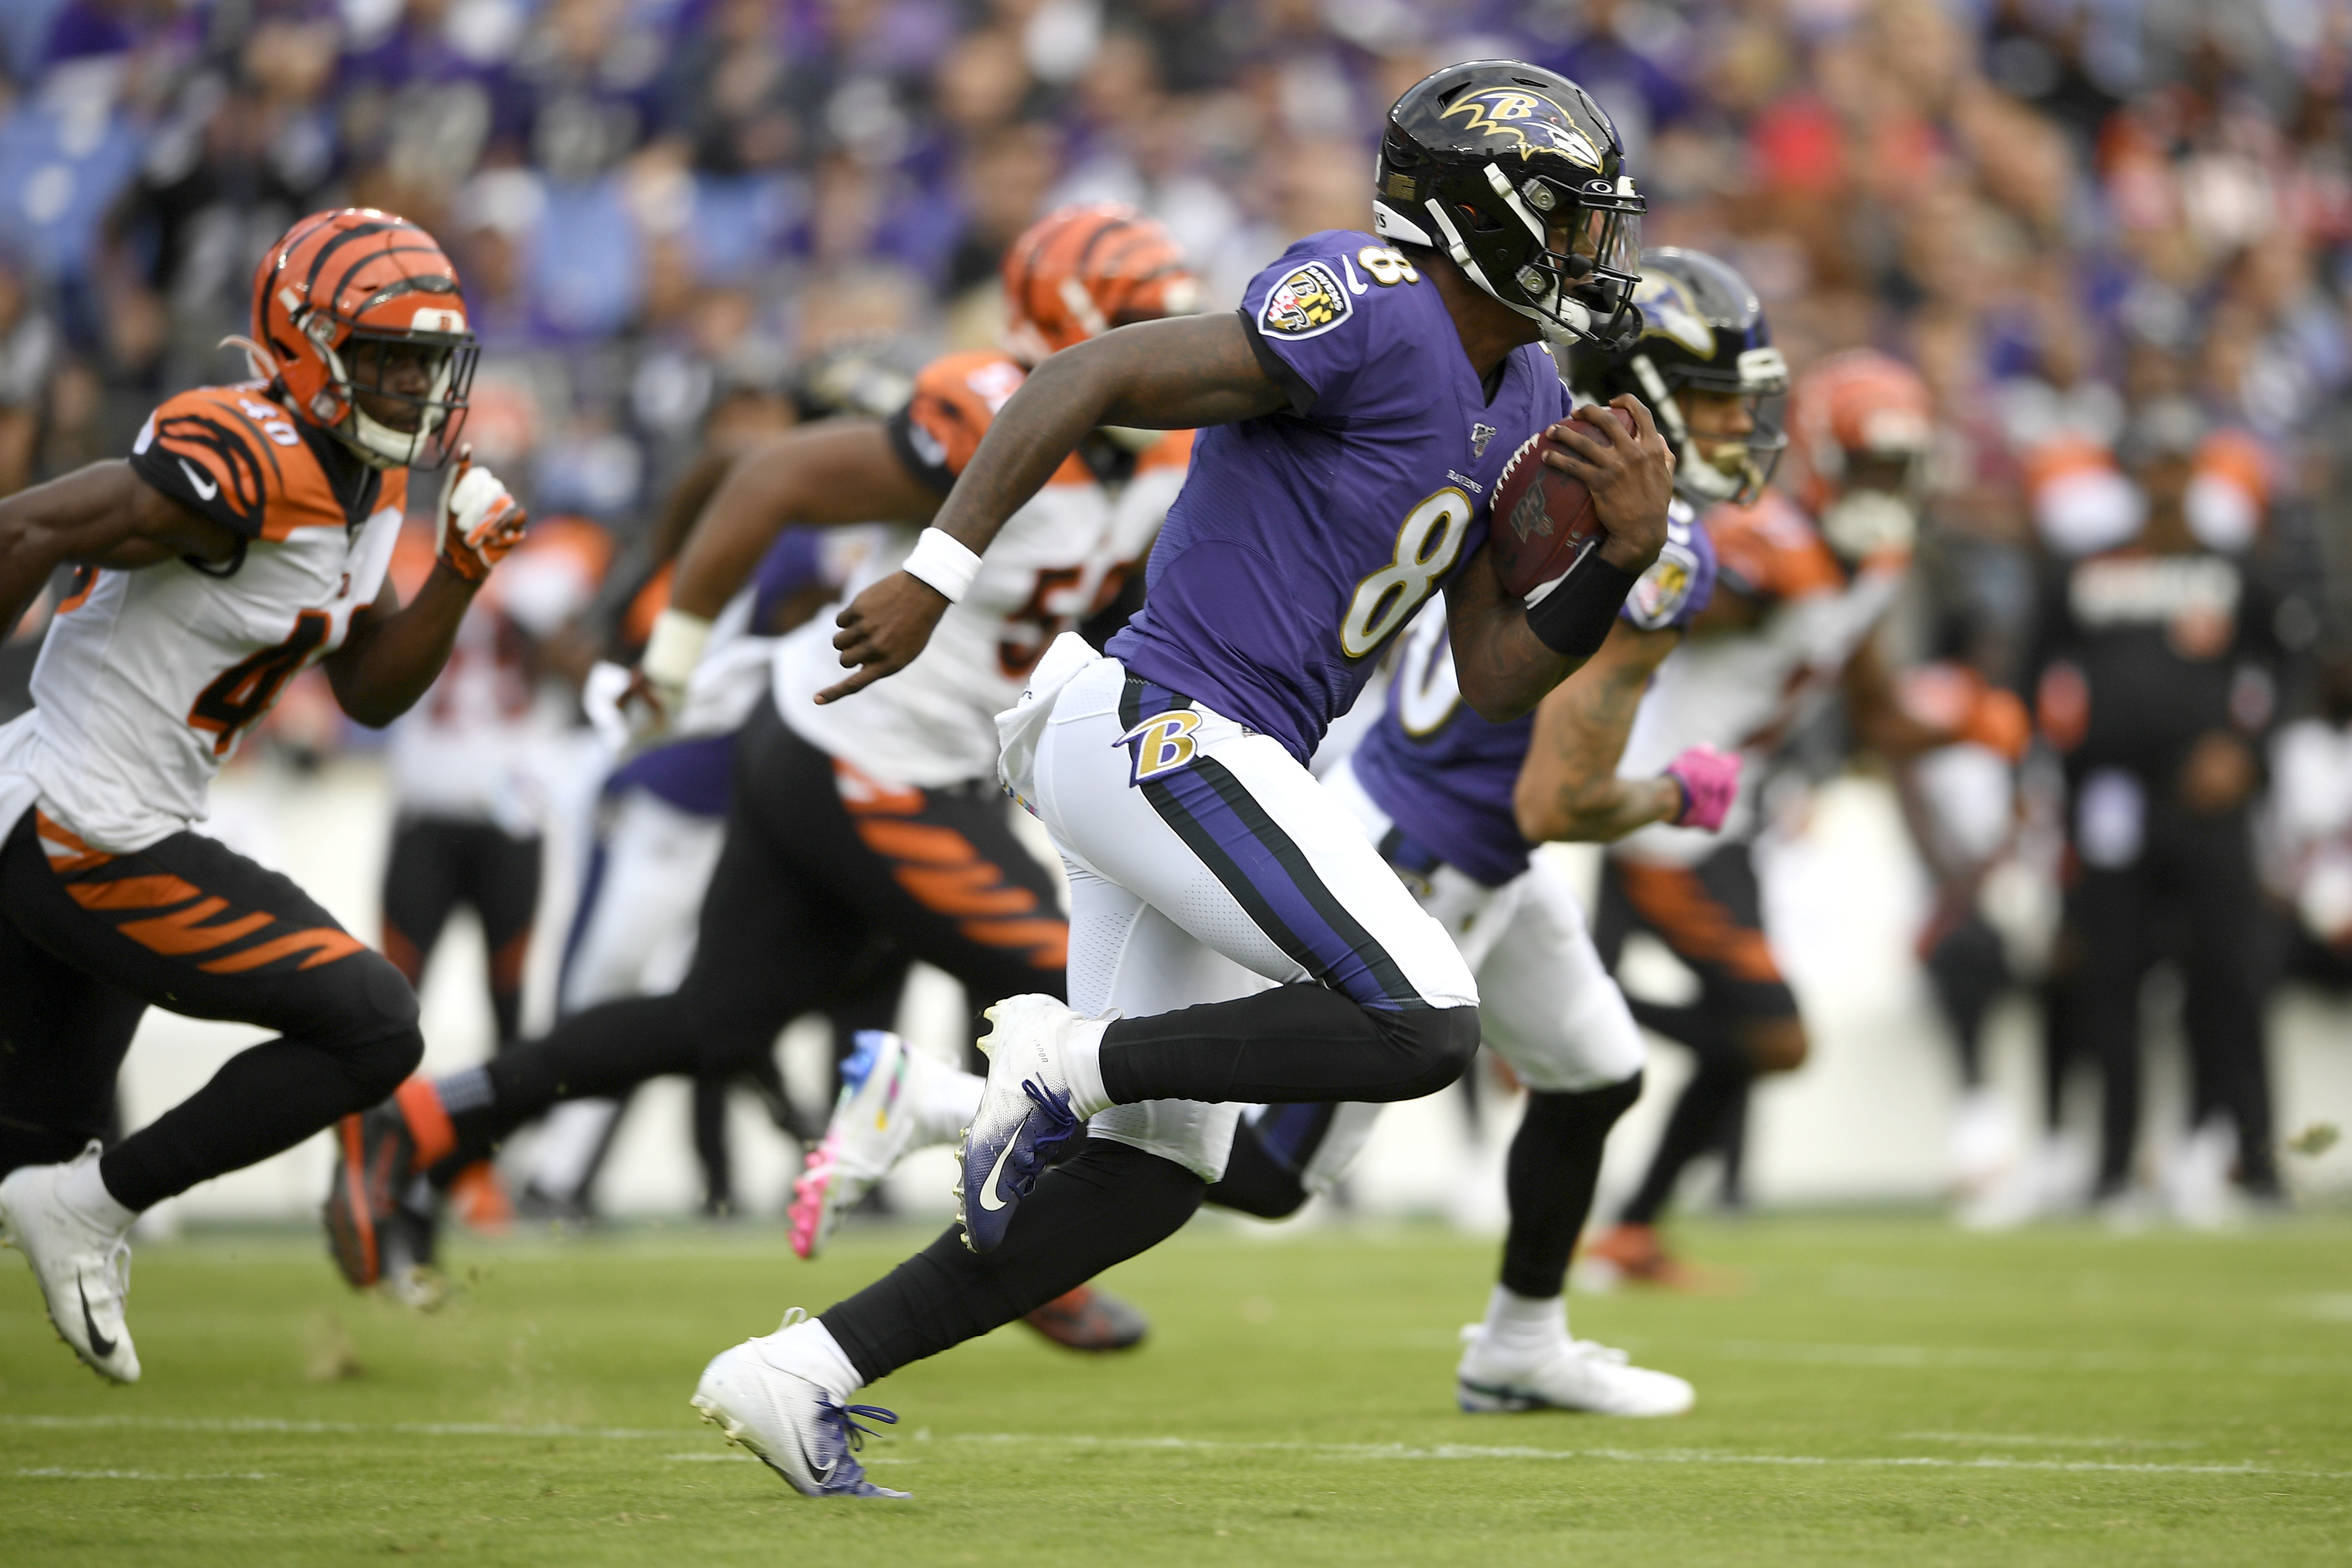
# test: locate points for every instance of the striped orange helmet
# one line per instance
(1081, 271)
(365, 292)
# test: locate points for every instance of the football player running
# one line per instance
(1341, 484)
(865, 831)
(1797, 598)
(245, 537)
(1455, 803)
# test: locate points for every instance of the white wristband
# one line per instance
(674, 647)
(943, 561)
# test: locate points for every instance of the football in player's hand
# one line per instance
(1543, 517)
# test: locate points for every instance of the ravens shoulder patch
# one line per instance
(1310, 299)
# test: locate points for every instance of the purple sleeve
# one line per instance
(1309, 330)
(1678, 583)
(794, 562)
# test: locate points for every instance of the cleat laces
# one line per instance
(1061, 1122)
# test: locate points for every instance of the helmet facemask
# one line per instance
(447, 363)
(1564, 255)
(1738, 467)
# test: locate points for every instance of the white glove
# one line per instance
(480, 520)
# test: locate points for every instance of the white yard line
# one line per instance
(1979, 1359)
(265, 1424)
(2026, 1440)
(1638, 1456)
(51, 1473)
(1357, 1452)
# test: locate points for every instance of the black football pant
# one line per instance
(436, 865)
(89, 940)
(827, 882)
(1710, 916)
(2190, 895)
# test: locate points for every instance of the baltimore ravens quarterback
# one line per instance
(1341, 480)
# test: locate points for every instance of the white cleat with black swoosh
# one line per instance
(84, 1268)
(794, 1427)
(1024, 1116)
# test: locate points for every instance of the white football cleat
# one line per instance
(874, 1123)
(84, 1270)
(1573, 1374)
(1025, 1115)
(796, 1429)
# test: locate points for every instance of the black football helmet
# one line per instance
(1701, 326)
(1516, 172)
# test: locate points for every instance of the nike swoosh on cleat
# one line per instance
(204, 487)
(824, 1474)
(98, 1343)
(990, 1188)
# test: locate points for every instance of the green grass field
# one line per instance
(1872, 1390)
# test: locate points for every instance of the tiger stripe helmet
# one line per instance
(339, 280)
(1081, 271)
(1857, 409)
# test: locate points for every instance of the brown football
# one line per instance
(1542, 519)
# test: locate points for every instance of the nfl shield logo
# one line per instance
(1479, 435)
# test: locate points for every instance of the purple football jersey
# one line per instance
(1305, 539)
(1444, 776)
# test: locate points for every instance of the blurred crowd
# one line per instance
(2114, 236)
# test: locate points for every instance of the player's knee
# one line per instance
(379, 1065)
(1438, 1046)
(367, 1019)
(1777, 1045)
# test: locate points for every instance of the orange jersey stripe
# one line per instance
(1047, 940)
(1673, 900)
(918, 842)
(975, 889)
(184, 931)
(327, 944)
(134, 892)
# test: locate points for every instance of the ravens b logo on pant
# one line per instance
(1161, 744)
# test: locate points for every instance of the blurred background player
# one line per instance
(863, 832)
(468, 766)
(1795, 603)
(1960, 804)
(248, 536)
(2157, 671)
(662, 811)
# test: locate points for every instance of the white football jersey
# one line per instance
(1055, 562)
(150, 679)
(1745, 690)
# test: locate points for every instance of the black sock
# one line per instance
(603, 1051)
(1554, 1164)
(262, 1102)
(1292, 1043)
(1692, 1128)
(1110, 1202)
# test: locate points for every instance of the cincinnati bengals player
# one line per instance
(1797, 598)
(865, 831)
(245, 537)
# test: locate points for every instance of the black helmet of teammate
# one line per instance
(1703, 327)
(1516, 172)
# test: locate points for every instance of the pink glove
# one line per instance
(1710, 782)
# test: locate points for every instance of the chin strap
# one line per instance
(1573, 323)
